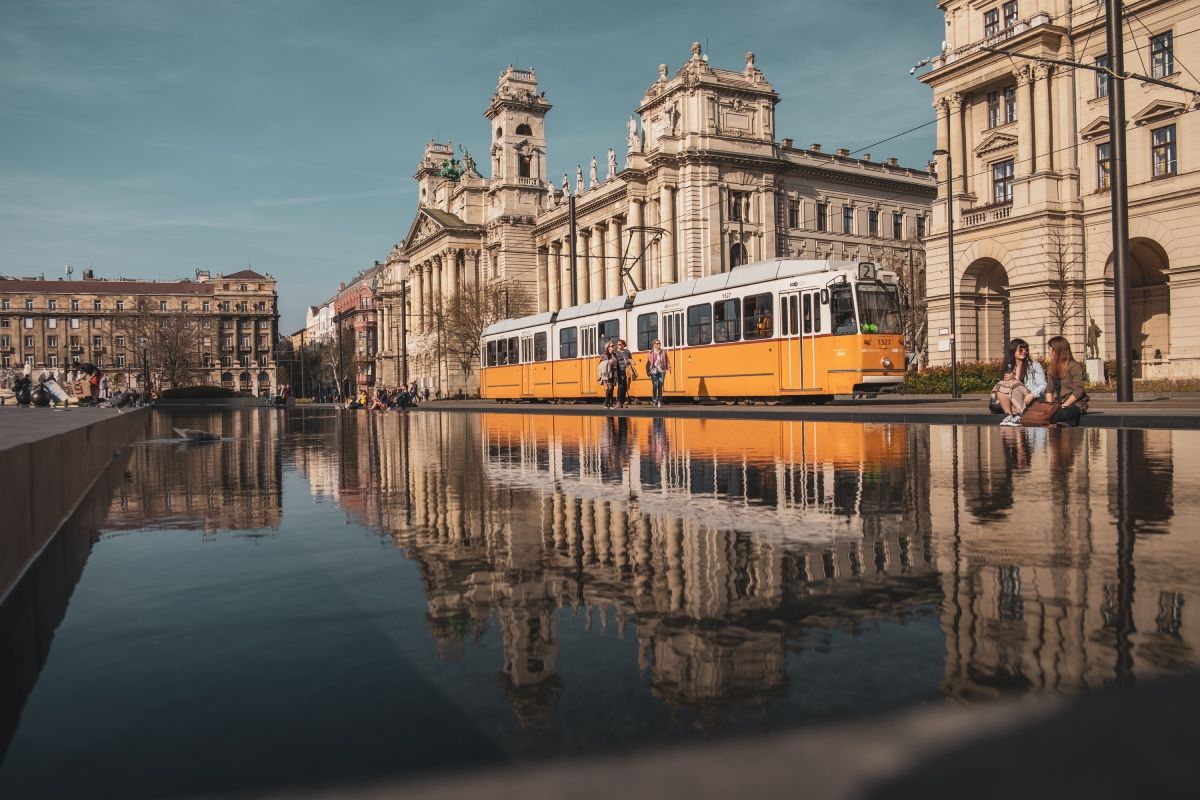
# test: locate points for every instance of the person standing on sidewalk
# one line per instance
(657, 366)
(606, 372)
(625, 373)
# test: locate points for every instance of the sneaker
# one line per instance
(1007, 422)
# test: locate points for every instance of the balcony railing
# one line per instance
(947, 58)
(983, 214)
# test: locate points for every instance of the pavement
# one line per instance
(1146, 411)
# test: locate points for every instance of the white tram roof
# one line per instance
(506, 325)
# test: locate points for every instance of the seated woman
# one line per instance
(1066, 382)
(1024, 380)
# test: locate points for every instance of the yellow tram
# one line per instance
(784, 329)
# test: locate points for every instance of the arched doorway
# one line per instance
(983, 318)
(737, 255)
(1149, 307)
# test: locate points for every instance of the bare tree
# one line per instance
(337, 357)
(1062, 266)
(913, 310)
(473, 308)
(168, 343)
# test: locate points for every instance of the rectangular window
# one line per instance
(1162, 56)
(897, 225)
(539, 346)
(244, 361)
(842, 309)
(822, 216)
(74, 305)
(204, 306)
(1102, 77)
(29, 305)
(1002, 181)
(993, 109)
(739, 206)
(514, 350)
(1103, 165)
(647, 330)
(1162, 147)
(756, 311)
(96, 322)
(120, 341)
(489, 358)
(847, 219)
(808, 323)
(120, 305)
(4, 322)
(872, 222)
(96, 305)
(5, 341)
(52, 304)
(51, 341)
(28, 322)
(119, 361)
(52, 322)
(609, 330)
(1010, 14)
(991, 23)
(75, 323)
(183, 305)
(6, 361)
(97, 342)
(816, 313)
(727, 321)
(699, 330)
(793, 214)
(1010, 104)
(28, 341)
(568, 343)
(4, 304)
(52, 360)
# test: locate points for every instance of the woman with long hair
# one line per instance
(1024, 380)
(607, 372)
(1065, 381)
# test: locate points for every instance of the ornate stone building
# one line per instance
(706, 186)
(1030, 150)
(52, 323)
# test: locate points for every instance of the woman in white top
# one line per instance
(1024, 380)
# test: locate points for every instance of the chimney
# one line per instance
(866, 156)
(844, 152)
(341, 286)
(892, 162)
(88, 274)
(815, 147)
(788, 144)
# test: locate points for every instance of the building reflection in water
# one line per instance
(725, 545)
(231, 485)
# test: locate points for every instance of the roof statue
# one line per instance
(612, 165)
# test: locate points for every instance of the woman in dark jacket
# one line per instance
(1064, 381)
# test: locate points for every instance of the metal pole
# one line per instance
(404, 332)
(571, 243)
(1120, 204)
(950, 263)
(302, 380)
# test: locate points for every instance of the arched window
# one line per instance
(523, 166)
(499, 132)
(737, 255)
(524, 130)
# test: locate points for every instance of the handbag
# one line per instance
(632, 372)
(1040, 413)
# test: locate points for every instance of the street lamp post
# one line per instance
(950, 263)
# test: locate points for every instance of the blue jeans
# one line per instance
(656, 382)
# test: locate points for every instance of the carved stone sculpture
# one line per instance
(593, 176)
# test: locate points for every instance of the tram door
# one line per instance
(527, 364)
(811, 325)
(589, 363)
(791, 350)
(672, 339)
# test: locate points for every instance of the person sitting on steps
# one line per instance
(1024, 380)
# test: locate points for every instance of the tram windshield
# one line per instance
(879, 308)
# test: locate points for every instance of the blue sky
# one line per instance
(148, 138)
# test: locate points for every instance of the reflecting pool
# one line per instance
(325, 598)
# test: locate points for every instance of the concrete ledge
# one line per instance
(212, 402)
(49, 460)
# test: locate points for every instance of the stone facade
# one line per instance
(705, 186)
(51, 323)
(1030, 198)
(355, 330)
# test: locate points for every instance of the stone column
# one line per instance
(427, 319)
(1025, 126)
(554, 275)
(639, 242)
(958, 142)
(543, 279)
(1043, 146)
(581, 267)
(666, 205)
(597, 265)
(473, 267)
(612, 259)
(418, 306)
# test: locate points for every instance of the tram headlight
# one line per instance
(887, 363)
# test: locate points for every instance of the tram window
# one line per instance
(793, 315)
(568, 343)
(647, 330)
(757, 312)
(726, 319)
(699, 326)
(816, 313)
(808, 321)
(841, 307)
(501, 353)
(490, 359)
(668, 331)
(610, 329)
(514, 350)
(539, 346)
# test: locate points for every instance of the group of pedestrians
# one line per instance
(1030, 394)
(384, 399)
(616, 371)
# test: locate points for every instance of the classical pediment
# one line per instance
(1097, 129)
(1157, 111)
(995, 142)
